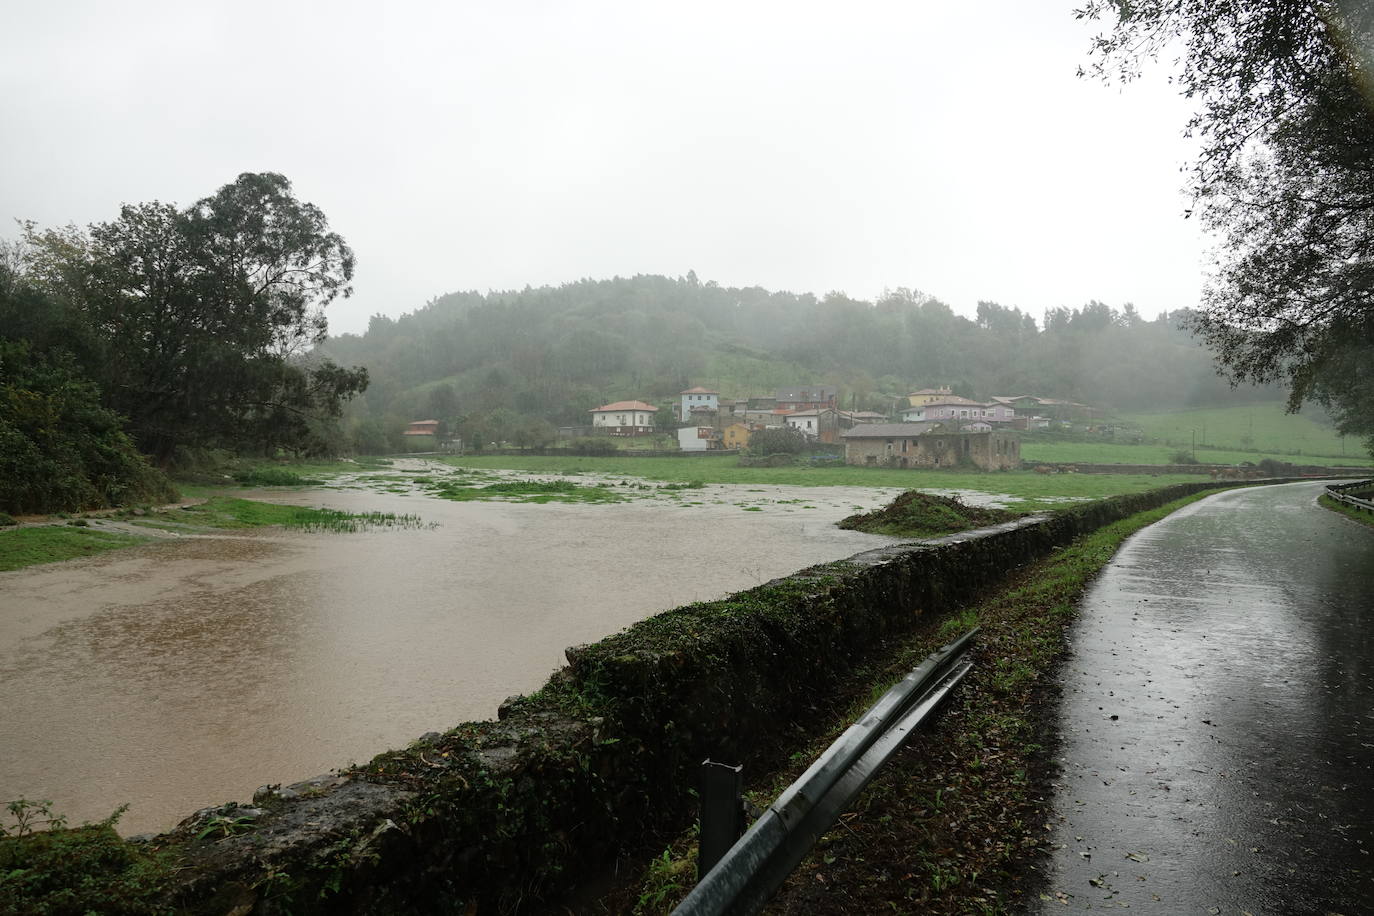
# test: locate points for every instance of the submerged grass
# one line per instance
(1031, 490)
(20, 547)
(951, 824)
(229, 512)
(526, 491)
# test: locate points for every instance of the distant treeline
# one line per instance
(529, 360)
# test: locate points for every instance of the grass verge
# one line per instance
(1350, 512)
(22, 547)
(954, 820)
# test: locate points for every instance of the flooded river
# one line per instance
(188, 672)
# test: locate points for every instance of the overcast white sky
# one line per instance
(811, 147)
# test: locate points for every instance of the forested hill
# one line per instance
(553, 352)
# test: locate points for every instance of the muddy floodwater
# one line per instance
(188, 672)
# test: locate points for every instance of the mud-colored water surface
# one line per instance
(190, 671)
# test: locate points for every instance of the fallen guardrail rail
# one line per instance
(1335, 492)
(755, 866)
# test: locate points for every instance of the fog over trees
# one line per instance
(1285, 176)
(552, 353)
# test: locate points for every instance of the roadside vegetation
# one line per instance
(949, 824)
(1351, 512)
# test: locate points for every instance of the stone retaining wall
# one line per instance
(491, 815)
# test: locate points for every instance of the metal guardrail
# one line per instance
(757, 864)
(1365, 504)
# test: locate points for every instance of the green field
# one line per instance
(1034, 491)
(1258, 429)
(21, 547)
(1113, 453)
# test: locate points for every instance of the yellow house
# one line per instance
(927, 395)
(736, 435)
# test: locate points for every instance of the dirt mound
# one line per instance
(922, 515)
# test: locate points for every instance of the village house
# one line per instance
(927, 395)
(1031, 407)
(736, 435)
(855, 417)
(822, 425)
(930, 445)
(698, 438)
(697, 399)
(624, 418)
(957, 408)
(421, 435)
(812, 397)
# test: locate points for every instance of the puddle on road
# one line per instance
(188, 672)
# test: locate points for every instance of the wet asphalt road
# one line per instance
(1217, 717)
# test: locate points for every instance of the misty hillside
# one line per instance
(550, 354)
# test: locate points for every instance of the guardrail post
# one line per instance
(722, 813)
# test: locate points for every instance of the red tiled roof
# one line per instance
(699, 390)
(625, 405)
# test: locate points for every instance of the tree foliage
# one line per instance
(649, 337)
(1285, 176)
(60, 449)
(777, 440)
(202, 315)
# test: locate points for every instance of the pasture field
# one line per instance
(1121, 453)
(1257, 429)
(1033, 490)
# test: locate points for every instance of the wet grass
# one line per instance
(20, 547)
(229, 512)
(274, 477)
(1031, 490)
(1264, 428)
(1113, 453)
(526, 491)
(954, 822)
(1350, 512)
(921, 515)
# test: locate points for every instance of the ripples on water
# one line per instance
(185, 674)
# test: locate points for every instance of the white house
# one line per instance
(808, 421)
(625, 418)
(957, 408)
(696, 438)
(697, 398)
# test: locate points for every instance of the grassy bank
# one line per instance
(951, 822)
(20, 547)
(34, 545)
(1350, 512)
